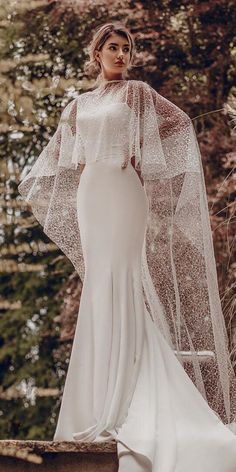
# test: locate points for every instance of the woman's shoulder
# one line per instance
(71, 104)
(141, 86)
(139, 83)
(142, 90)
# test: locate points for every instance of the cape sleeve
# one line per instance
(50, 187)
(162, 134)
(178, 263)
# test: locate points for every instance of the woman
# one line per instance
(120, 189)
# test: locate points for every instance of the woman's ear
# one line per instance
(97, 56)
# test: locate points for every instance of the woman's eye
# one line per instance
(126, 49)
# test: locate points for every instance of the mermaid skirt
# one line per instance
(124, 382)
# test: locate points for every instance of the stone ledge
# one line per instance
(57, 456)
(60, 446)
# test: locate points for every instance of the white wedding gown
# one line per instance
(124, 382)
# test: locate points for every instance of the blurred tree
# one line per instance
(32, 269)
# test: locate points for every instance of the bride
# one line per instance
(120, 189)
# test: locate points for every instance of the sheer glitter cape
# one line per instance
(178, 266)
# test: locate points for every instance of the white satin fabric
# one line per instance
(124, 382)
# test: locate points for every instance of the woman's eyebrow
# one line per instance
(115, 44)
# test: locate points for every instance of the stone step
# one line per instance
(61, 456)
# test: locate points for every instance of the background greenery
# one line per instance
(186, 52)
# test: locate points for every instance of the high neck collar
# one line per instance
(104, 82)
(111, 80)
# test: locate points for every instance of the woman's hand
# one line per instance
(140, 176)
(137, 170)
(82, 166)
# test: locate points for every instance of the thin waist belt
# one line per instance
(120, 159)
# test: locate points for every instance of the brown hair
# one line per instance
(92, 66)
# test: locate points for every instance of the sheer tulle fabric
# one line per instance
(178, 265)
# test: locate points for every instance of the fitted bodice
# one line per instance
(104, 124)
(104, 130)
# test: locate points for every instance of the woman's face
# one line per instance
(116, 48)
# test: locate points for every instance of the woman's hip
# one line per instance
(112, 207)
